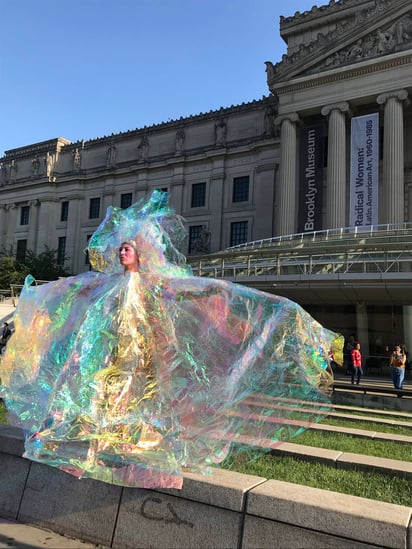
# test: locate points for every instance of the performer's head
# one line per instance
(129, 257)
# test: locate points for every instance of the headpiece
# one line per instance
(150, 226)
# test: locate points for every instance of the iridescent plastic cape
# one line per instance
(133, 378)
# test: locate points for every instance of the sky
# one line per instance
(82, 69)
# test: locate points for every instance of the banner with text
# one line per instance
(364, 172)
(310, 179)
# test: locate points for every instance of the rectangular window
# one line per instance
(198, 195)
(24, 215)
(61, 251)
(241, 189)
(238, 233)
(94, 208)
(64, 211)
(194, 234)
(87, 260)
(21, 250)
(126, 200)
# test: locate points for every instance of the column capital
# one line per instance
(400, 95)
(291, 116)
(343, 107)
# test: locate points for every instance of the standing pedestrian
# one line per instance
(356, 363)
(397, 362)
(5, 336)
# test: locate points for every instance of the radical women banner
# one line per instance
(364, 172)
(310, 179)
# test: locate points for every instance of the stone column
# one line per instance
(407, 328)
(285, 222)
(75, 239)
(11, 224)
(216, 192)
(47, 227)
(336, 172)
(3, 214)
(393, 155)
(176, 189)
(33, 226)
(108, 197)
(362, 329)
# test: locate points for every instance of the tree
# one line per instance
(45, 266)
(11, 272)
(42, 266)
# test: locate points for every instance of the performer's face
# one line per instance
(128, 257)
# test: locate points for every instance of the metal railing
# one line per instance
(379, 252)
(329, 236)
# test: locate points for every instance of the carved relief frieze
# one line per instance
(220, 132)
(143, 148)
(334, 6)
(392, 37)
(77, 159)
(4, 173)
(180, 140)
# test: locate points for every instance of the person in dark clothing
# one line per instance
(5, 336)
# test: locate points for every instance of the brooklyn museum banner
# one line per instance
(364, 172)
(310, 179)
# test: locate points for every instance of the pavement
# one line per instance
(7, 308)
(372, 379)
(14, 535)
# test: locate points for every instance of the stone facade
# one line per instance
(60, 190)
(235, 173)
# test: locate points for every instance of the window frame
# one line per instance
(64, 210)
(94, 207)
(245, 224)
(24, 215)
(198, 190)
(123, 199)
(61, 250)
(193, 236)
(238, 194)
(21, 253)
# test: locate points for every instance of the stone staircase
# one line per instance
(246, 511)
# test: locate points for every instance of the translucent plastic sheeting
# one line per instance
(133, 378)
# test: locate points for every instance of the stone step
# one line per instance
(346, 460)
(260, 403)
(363, 433)
(382, 421)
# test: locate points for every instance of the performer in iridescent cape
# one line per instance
(138, 370)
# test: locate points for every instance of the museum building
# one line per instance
(306, 193)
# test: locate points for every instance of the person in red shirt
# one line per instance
(356, 363)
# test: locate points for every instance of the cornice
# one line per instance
(333, 7)
(313, 81)
(36, 148)
(176, 123)
(372, 18)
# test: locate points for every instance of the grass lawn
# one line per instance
(2, 412)
(374, 486)
(357, 483)
(356, 445)
(369, 426)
